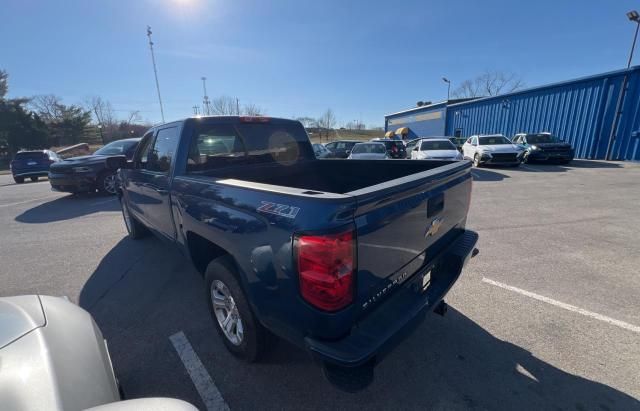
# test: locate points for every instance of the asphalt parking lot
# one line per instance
(547, 316)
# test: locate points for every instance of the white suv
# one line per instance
(492, 149)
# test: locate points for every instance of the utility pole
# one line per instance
(633, 16)
(237, 106)
(155, 71)
(206, 109)
(195, 110)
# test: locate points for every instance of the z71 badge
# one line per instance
(282, 210)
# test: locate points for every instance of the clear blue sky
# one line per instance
(297, 58)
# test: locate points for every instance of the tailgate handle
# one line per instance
(435, 205)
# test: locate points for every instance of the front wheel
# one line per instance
(476, 161)
(107, 183)
(240, 330)
(18, 180)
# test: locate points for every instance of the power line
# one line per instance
(155, 71)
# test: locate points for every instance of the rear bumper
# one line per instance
(73, 183)
(30, 173)
(391, 322)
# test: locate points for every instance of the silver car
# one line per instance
(53, 357)
(369, 151)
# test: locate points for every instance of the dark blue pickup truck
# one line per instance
(342, 258)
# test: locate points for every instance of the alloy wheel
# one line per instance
(226, 312)
(109, 184)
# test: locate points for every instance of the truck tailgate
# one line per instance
(399, 224)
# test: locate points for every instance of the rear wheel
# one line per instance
(476, 160)
(134, 228)
(18, 180)
(240, 330)
(34, 178)
(107, 183)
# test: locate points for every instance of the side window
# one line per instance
(474, 141)
(214, 146)
(164, 147)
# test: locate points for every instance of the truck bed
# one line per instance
(332, 176)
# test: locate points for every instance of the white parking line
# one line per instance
(569, 307)
(199, 376)
(27, 201)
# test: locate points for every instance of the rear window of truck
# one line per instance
(215, 146)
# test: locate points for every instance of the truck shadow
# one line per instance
(483, 174)
(143, 292)
(68, 207)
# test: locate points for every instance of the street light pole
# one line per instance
(155, 71)
(448, 86)
(635, 17)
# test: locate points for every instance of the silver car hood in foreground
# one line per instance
(18, 316)
(56, 358)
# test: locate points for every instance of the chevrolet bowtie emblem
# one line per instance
(434, 227)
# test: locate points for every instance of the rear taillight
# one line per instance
(326, 266)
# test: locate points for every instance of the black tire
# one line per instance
(34, 179)
(107, 183)
(135, 229)
(18, 180)
(476, 160)
(254, 341)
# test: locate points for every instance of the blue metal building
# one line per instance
(581, 111)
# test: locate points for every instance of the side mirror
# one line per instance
(117, 162)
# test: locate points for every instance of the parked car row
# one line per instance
(493, 149)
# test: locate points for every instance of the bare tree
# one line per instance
(307, 122)
(326, 122)
(102, 111)
(134, 117)
(4, 86)
(224, 106)
(252, 110)
(489, 83)
(49, 107)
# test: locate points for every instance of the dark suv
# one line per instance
(544, 147)
(395, 148)
(32, 164)
(85, 174)
(340, 148)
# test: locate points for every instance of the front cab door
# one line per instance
(151, 179)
